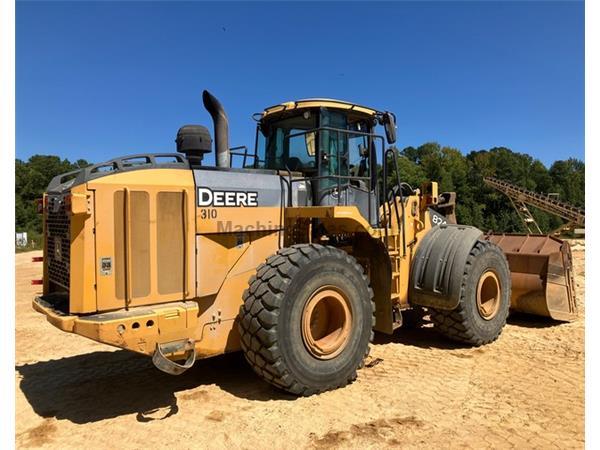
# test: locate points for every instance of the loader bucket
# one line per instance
(542, 274)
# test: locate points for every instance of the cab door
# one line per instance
(344, 154)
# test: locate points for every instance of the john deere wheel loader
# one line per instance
(295, 258)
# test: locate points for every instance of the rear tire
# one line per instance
(485, 298)
(307, 319)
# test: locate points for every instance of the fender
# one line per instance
(439, 263)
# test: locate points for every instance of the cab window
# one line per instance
(292, 144)
(343, 153)
(287, 146)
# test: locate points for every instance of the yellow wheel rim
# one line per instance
(326, 322)
(489, 295)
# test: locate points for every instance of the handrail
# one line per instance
(340, 178)
(392, 150)
(120, 164)
(244, 154)
(341, 130)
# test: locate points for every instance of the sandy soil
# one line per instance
(525, 390)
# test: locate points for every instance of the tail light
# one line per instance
(40, 205)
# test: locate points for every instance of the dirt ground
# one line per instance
(525, 390)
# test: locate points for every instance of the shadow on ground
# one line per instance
(425, 336)
(419, 336)
(102, 385)
(107, 384)
(531, 321)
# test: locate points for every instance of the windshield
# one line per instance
(287, 146)
(291, 144)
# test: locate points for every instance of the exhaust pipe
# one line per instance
(215, 109)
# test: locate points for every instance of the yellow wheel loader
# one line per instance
(295, 257)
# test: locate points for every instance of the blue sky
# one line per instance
(99, 80)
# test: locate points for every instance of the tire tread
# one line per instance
(260, 311)
(454, 324)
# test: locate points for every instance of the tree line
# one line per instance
(477, 204)
(482, 206)
(31, 180)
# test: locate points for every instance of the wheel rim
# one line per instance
(489, 294)
(326, 322)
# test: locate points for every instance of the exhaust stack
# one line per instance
(221, 124)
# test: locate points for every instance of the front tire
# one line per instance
(307, 319)
(484, 301)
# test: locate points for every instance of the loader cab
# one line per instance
(331, 144)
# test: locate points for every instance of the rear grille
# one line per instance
(58, 229)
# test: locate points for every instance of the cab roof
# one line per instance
(319, 103)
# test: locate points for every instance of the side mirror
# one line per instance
(389, 124)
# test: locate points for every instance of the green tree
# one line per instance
(569, 180)
(31, 180)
